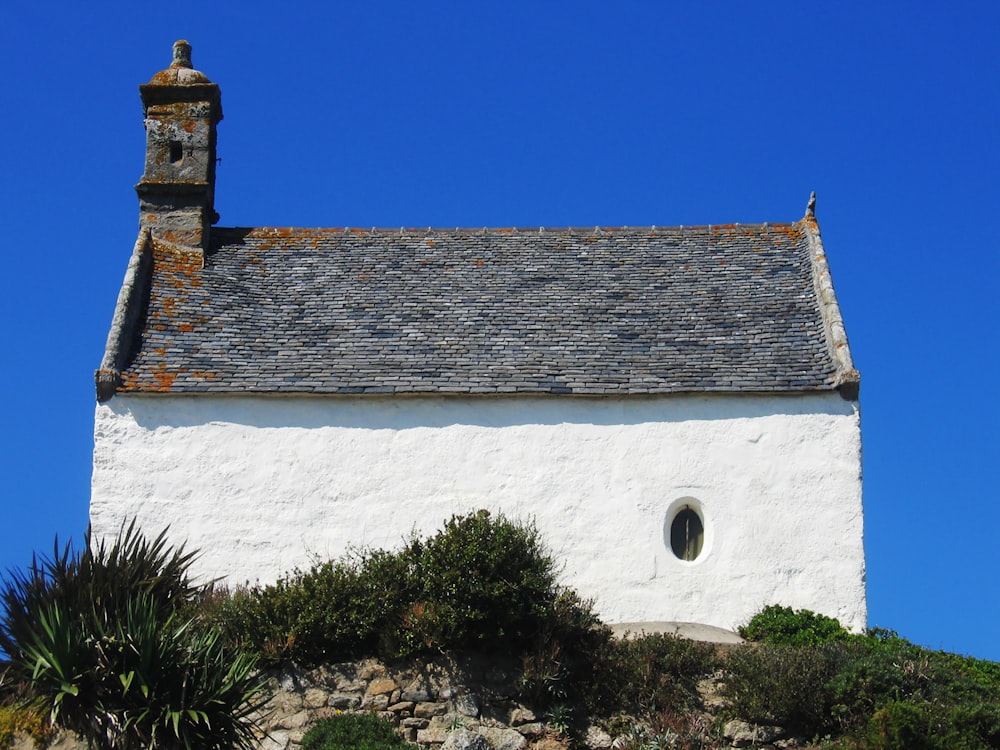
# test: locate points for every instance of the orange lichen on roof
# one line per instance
(790, 231)
(162, 378)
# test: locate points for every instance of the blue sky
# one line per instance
(549, 114)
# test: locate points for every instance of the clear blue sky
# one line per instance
(552, 114)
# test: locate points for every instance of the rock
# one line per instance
(598, 739)
(398, 708)
(467, 704)
(314, 698)
(743, 734)
(286, 702)
(346, 684)
(550, 742)
(532, 729)
(344, 700)
(375, 702)
(415, 691)
(290, 682)
(432, 735)
(296, 720)
(381, 686)
(521, 715)
(275, 741)
(427, 710)
(371, 670)
(462, 739)
(63, 740)
(710, 690)
(414, 722)
(415, 696)
(504, 739)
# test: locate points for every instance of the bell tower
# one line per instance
(177, 191)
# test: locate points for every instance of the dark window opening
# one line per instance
(687, 534)
(176, 152)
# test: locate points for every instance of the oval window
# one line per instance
(687, 534)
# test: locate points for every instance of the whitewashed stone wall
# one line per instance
(261, 485)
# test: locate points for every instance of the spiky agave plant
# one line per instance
(110, 640)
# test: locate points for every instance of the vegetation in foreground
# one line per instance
(111, 643)
(117, 645)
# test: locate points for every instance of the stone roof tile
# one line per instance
(554, 311)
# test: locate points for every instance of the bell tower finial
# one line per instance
(182, 55)
(177, 189)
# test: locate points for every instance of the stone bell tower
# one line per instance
(177, 189)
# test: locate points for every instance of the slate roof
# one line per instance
(600, 311)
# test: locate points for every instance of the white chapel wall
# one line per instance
(261, 485)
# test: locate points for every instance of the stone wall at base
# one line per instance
(431, 702)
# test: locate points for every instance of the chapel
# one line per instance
(674, 407)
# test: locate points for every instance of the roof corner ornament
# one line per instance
(182, 55)
(811, 206)
(107, 382)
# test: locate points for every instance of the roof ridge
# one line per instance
(598, 229)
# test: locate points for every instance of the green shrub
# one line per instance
(889, 683)
(104, 579)
(900, 725)
(108, 639)
(912, 725)
(566, 664)
(779, 625)
(352, 732)
(651, 674)
(328, 613)
(785, 685)
(879, 689)
(483, 582)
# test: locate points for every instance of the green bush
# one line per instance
(352, 732)
(483, 582)
(109, 640)
(779, 625)
(104, 579)
(879, 689)
(889, 683)
(901, 726)
(785, 685)
(651, 674)
(328, 613)
(566, 663)
(906, 725)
